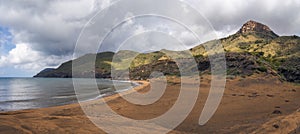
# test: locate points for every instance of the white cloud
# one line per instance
(139, 30)
(44, 32)
(105, 3)
(24, 57)
(50, 26)
(71, 9)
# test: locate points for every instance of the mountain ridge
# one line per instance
(255, 48)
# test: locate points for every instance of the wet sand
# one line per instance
(251, 104)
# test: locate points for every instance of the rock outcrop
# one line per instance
(258, 28)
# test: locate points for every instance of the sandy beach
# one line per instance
(256, 103)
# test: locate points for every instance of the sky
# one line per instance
(43, 34)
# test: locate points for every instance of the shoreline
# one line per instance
(247, 105)
(48, 114)
(103, 96)
(142, 85)
(113, 95)
(134, 84)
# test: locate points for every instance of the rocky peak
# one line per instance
(256, 27)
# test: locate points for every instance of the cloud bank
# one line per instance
(43, 33)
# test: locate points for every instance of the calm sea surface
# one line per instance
(29, 93)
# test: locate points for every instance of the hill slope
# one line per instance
(255, 48)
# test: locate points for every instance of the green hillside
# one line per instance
(255, 48)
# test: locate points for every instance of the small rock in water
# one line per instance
(277, 112)
(294, 90)
(287, 100)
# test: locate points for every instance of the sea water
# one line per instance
(30, 93)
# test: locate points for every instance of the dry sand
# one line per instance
(259, 103)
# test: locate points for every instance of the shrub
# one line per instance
(262, 69)
(258, 41)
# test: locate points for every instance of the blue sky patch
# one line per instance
(6, 41)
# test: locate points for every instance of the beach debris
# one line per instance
(276, 126)
(253, 95)
(277, 112)
(269, 95)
